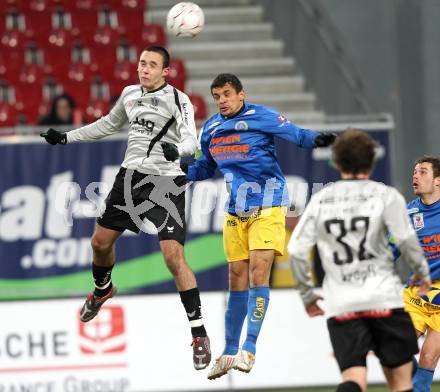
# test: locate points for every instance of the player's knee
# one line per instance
(349, 386)
(428, 360)
(101, 245)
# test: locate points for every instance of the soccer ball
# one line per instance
(185, 20)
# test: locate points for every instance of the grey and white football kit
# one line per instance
(351, 222)
(156, 116)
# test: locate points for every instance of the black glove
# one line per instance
(54, 137)
(170, 151)
(184, 167)
(324, 139)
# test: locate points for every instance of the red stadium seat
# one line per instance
(11, 62)
(177, 75)
(130, 19)
(126, 72)
(8, 115)
(79, 91)
(151, 34)
(200, 109)
(12, 39)
(57, 61)
(116, 87)
(95, 110)
(39, 23)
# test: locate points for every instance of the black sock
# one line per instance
(191, 302)
(103, 280)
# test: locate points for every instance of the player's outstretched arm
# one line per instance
(278, 125)
(53, 137)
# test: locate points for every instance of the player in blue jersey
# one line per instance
(425, 311)
(239, 142)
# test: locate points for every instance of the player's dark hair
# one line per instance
(434, 161)
(163, 52)
(353, 152)
(225, 78)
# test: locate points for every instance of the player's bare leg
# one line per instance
(103, 245)
(399, 378)
(186, 284)
(260, 265)
(175, 260)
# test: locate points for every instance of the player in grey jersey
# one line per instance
(150, 184)
(350, 222)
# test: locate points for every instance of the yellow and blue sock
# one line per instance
(257, 307)
(234, 319)
(422, 380)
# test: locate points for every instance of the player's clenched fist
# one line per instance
(170, 151)
(325, 139)
(54, 137)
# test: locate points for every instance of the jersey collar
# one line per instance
(238, 113)
(145, 91)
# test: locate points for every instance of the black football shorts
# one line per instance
(135, 196)
(392, 338)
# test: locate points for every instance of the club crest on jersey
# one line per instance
(155, 101)
(241, 126)
(418, 221)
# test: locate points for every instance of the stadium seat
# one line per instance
(125, 72)
(95, 110)
(11, 61)
(116, 87)
(12, 39)
(177, 75)
(151, 34)
(8, 115)
(40, 23)
(200, 109)
(79, 91)
(57, 61)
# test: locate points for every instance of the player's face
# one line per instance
(424, 181)
(151, 71)
(228, 101)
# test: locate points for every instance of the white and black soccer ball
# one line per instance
(185, 20)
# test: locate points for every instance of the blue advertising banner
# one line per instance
(50, 197)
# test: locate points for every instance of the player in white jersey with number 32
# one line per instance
(350, 221)
(150, 184)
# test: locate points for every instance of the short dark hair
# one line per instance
(353, 151)
(224, 78)
(434, 161)
(163, 52)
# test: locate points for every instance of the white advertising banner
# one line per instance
(142, 343)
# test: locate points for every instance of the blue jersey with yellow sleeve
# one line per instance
(426, 222)
(242, 148)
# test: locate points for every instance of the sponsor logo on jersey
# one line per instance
(418, 221)
(249, 112)
(413, 210)
(229, 147)
(241, 126)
